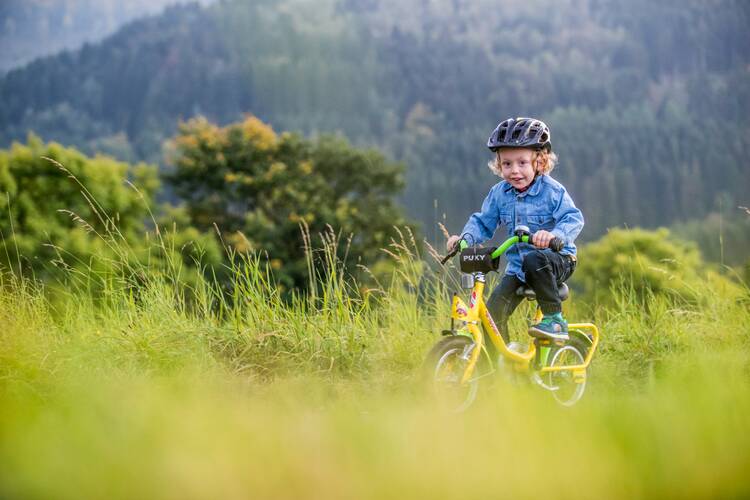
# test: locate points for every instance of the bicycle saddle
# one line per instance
(528, 292)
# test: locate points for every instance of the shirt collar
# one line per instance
(536, 186)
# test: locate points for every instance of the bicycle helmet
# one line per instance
(520, 133)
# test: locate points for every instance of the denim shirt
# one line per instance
(545, 205)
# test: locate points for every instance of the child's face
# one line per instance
(516, 166)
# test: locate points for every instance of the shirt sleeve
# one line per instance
(482, 225)
(568, 219)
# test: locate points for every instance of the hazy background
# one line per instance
(648, 101)
(34, 28)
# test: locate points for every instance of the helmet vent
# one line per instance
(520, 132)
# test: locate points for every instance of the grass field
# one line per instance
(152, 393)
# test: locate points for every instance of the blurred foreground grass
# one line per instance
(242, 395)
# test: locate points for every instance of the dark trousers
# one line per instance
(545, 271)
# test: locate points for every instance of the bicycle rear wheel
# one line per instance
(567, 387)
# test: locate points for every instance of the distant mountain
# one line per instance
(35, 28)
(647, 100)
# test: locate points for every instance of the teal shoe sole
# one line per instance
(543, 334)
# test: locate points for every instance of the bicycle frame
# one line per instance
(477, 313)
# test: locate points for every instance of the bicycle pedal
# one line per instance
(446, 333)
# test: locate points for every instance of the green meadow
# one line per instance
(202, 390)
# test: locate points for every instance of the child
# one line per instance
(527, 196)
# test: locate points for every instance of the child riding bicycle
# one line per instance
(527, 196)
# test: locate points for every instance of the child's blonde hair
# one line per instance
(547, 159)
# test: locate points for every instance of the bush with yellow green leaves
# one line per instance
(645, 262)
(72, 218)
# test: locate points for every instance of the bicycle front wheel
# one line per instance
(444, 367)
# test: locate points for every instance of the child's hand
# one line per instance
(542, 238)
(452, 242)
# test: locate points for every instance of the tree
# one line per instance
(65, 211)
(261, 190)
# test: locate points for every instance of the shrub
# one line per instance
(648, 262)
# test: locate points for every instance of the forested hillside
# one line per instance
(647, 100)
(34, 28)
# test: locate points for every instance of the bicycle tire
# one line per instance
(568, 392)
(443, 368)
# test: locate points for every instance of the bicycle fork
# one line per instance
(475, 350)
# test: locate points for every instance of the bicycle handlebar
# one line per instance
(556, 244)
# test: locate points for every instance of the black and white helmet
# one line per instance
(520, 133)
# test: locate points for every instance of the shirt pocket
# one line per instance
(505, 219)
(538, 222)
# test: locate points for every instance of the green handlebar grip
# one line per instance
(505, 246)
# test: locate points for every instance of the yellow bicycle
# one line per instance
(453, 365)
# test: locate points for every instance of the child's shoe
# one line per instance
(552, 327)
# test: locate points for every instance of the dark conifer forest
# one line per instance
(647, 101)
